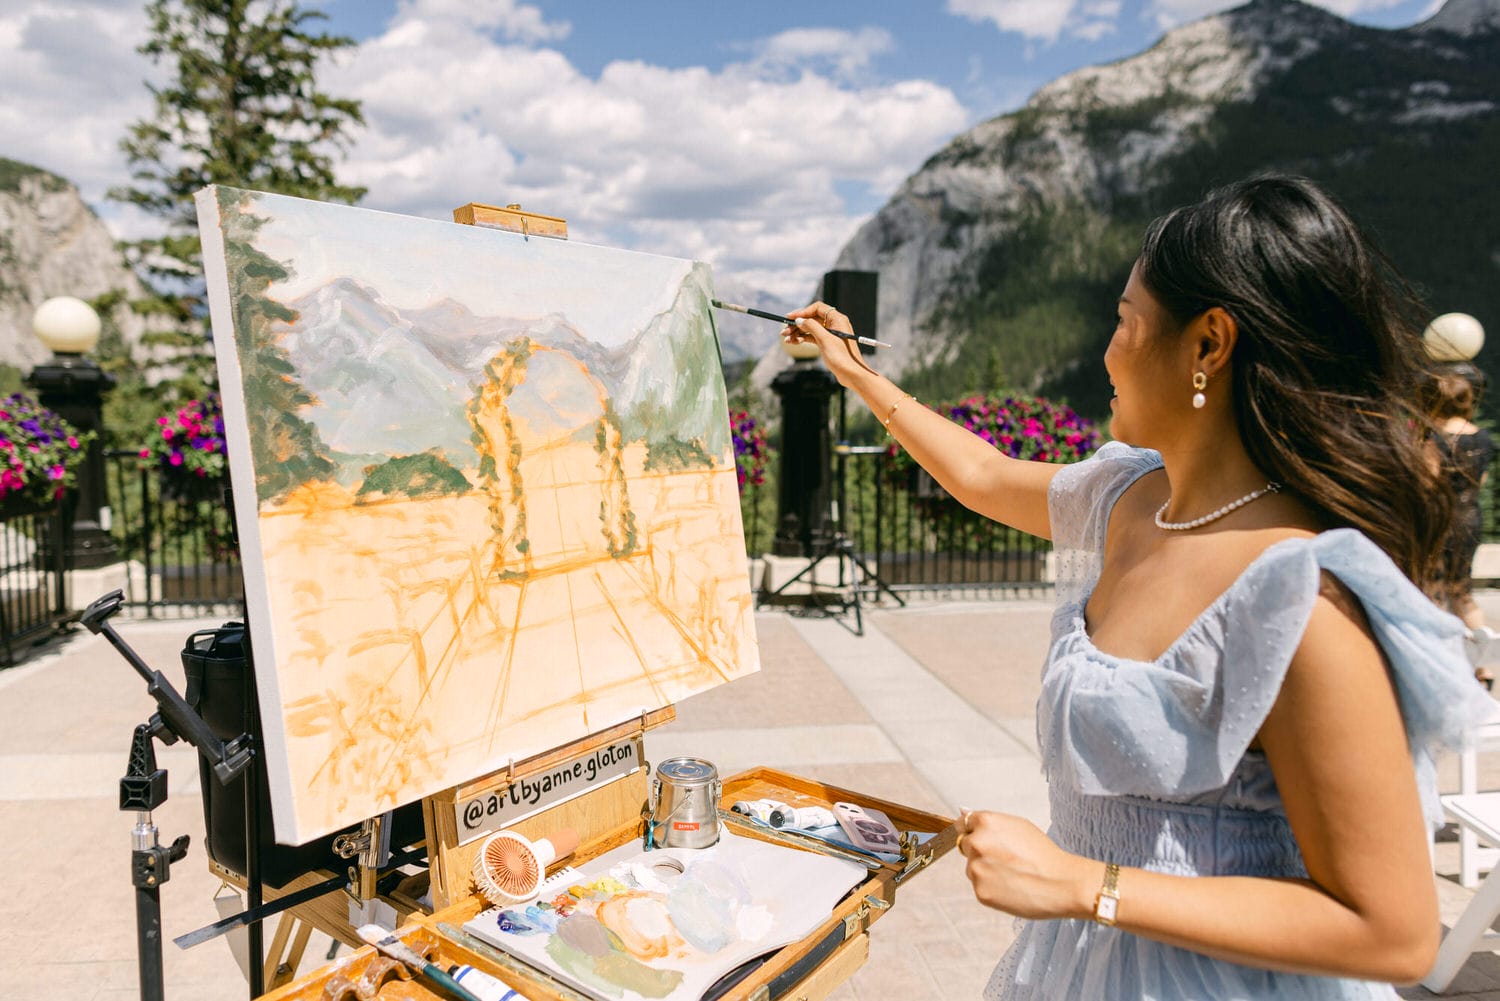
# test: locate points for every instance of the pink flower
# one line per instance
(72, 442)
(175, 458)
(56, 473)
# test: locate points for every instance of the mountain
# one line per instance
(1000, 259)
(52, 244)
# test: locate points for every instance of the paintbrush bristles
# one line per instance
(386, 942)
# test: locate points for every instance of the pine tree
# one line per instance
(242, 108)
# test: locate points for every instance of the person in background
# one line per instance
(1463, 452)
(1246, 684)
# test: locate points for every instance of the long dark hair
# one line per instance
(1329, 365)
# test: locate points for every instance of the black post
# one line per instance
(74, 387)
(148, 941)
(804, 486)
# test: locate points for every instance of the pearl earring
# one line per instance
(1200, 383)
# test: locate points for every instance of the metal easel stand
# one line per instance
(144, 788)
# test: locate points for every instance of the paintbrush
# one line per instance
(387, 942)
(732, 307)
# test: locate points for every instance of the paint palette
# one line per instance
(669, 923)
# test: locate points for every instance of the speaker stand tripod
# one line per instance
(854, 576)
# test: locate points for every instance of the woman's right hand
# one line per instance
(842, 356)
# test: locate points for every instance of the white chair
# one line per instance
(1478, 813)
(1481, 644)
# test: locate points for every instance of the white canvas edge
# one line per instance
(273, 740)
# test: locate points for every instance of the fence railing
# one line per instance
(176, 532)
(907, 529)
(33, 587)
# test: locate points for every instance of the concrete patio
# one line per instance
(932, 707)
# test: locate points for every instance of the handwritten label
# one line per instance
(479, 815)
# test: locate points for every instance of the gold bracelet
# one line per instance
(892, 412)
(1107, 903)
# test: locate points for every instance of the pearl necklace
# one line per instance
(1183, 526)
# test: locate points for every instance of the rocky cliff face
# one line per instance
(1000, 259)
(52, 244)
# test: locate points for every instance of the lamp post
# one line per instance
(804, 486)
(74, 387)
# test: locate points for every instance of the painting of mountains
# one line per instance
(485, 491)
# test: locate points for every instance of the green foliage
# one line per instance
(240, 107)
(425, 475)
(13, 172)
(1037, 302)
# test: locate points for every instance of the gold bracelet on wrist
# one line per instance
(1107, 903)
(892, 412)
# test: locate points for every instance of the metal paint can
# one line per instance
(685, 804)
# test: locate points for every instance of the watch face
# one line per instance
(1104, 910)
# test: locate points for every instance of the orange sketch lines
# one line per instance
(671, 616)
(640, 656)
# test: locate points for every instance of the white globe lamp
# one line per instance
(1453, 337)
(66, 325)
(802, 350)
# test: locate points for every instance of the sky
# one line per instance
(756, 135)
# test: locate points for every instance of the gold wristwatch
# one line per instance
(1107, 904)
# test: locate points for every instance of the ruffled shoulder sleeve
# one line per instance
(1178, 726)
(1078, 504)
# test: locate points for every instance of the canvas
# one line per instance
(485, 492)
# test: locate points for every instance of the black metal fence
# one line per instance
(906, 528)
(33, 587)
(176, 532)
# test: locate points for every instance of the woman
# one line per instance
(1464, 452)
(1244, 686)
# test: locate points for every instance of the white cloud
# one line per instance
(1038, 19)
(847, 52)
(517, 22)
(740, 166)
(72, 81)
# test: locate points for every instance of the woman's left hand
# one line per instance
(1016, 868)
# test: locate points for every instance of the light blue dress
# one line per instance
(1148, 763)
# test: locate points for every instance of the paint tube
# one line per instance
(482, 985)
(802, 817)
(760, 809)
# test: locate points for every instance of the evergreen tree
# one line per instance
(242, 108)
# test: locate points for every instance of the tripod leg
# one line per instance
(871, 575)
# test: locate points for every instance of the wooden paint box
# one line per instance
(807, 970)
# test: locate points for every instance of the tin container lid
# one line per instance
(687, 771)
